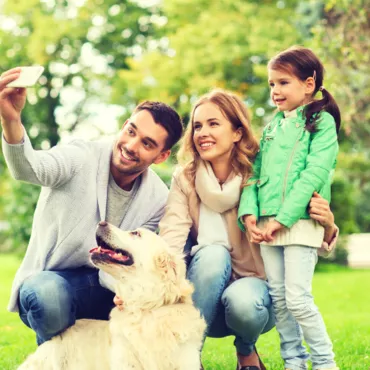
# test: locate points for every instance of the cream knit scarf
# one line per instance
(215, 201)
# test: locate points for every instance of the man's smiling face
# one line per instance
(141, 142)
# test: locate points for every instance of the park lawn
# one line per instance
(341, 294)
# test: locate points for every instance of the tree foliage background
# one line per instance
(102, 57)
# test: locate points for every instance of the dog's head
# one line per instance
(148, 273)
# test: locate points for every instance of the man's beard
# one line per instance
(119, 167)
(130, 171)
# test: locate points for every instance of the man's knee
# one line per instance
(46, 288)
(47, 301)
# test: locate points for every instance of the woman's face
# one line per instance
(213, 134)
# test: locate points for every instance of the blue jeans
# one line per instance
(51, 301)
(290, 271)
(242, 308)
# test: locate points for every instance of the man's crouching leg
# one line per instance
(47, 304)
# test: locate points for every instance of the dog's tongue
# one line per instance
(112, 254)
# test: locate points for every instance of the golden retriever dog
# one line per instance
(158, 328)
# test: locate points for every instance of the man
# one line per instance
(82, 184)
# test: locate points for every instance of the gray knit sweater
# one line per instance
(73, 199)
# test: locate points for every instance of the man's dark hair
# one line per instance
(165, 116)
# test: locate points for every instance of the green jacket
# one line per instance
(292, 163)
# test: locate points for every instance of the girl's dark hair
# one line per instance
(303, 63)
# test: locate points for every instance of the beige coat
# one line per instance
(182, 216)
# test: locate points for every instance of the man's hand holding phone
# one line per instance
(28, 76)
(13, 99)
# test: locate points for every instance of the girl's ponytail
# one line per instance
(328, 104)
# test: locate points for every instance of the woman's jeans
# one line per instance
(290, 271)
(51, 301)
(242, 308)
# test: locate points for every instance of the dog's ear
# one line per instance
(173, 269)
(167, 265)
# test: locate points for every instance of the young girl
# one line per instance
(297, 156)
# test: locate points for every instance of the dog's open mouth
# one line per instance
(108, 254)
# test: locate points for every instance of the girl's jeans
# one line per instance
(289, 271)
(51, 301)
(242, 308)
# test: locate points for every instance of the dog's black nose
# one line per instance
(103, 223)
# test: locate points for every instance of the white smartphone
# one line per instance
(28, 77)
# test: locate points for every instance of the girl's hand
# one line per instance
(118, 302)
(256, 238)
(250, 223)
(271, 228)
(319, 210)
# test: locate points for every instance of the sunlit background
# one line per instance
(102, 57)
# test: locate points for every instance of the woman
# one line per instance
(226, 269)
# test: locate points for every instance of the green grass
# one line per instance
(341, 294)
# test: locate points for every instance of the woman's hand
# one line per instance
(250, 223)
(118, 302)
(320, 211)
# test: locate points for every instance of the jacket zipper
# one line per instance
(287, 170)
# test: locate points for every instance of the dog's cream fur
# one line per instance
(158, 329)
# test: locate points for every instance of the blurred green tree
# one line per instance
(98, 51)
(80, 44)
(342, 38)
(209, 44)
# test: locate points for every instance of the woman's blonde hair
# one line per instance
(236, 113)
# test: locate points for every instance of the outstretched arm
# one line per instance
(46, 168)
(12, 102)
